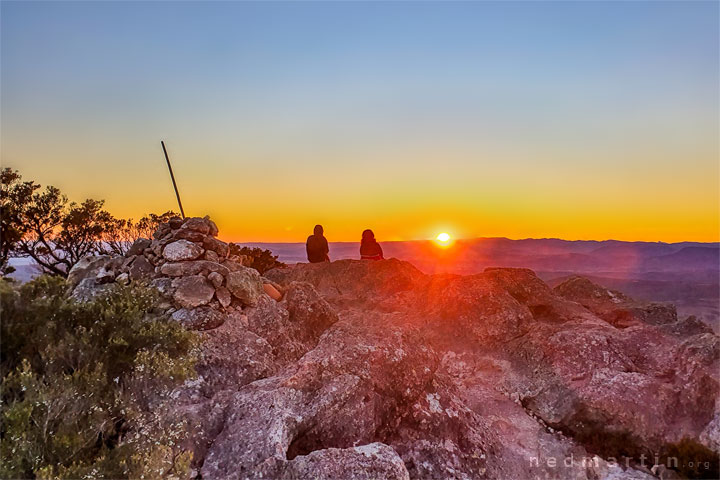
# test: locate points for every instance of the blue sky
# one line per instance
(430, 101)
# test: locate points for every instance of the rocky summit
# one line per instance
(372, 369)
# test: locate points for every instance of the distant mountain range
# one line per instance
(551, 255)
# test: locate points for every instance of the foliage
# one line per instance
(120, 239)
(257, 258)
(687, 457)
(14, 194)
(83, 384)
(597, 438)
(40, 224)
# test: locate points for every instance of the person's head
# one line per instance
(318, 230)
(368, 236)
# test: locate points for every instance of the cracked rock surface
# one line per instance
(374, 370)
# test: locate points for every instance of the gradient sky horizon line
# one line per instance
(573, 120)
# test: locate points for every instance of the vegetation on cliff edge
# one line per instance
(82, 384)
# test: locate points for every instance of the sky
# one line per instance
(574, 120)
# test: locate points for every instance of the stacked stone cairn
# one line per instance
(198, 278)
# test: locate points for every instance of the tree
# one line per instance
(58, 235)
(40, 224)
(15, 195)
(126, 232)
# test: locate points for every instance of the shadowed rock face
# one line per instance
(615, 307)
(371, 369)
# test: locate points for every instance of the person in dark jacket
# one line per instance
(317, 246)
(369, 247)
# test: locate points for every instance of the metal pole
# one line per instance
(177, 194)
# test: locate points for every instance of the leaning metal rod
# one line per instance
(177, 194)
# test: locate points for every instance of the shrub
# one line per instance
(81, 382)
(694, 460)
(259, 259)
(687, 457)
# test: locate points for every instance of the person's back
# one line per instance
(370, 249)
(317, 246)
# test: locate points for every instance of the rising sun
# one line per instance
(443, 237)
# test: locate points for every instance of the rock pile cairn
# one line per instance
(198, 277)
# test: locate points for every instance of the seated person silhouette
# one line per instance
(369, 248)
(317, 246)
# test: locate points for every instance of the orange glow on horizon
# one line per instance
(647, 206)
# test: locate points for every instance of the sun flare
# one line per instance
(443, 237)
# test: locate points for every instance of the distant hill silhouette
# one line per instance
(689, 258)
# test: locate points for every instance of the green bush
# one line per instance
(259, 259)
(82, 382)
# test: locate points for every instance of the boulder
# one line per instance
(339, 395)
(138, 247)
(232, 265)
(217, 246)
(612, 306)
(200, 318)
(364, 462)
(189, 235)
(595, 381)
(233, 356)
(213, 229)
(105, 275)
(309, 314)
(193, 291)
(355, 282)
(204, 226)
(175, 222)
(473, 306)
(687, 326)
(223, 295)
(245, 285)
(216, 279)
(141, 268)
(195, 267)
(212, 256)
(181, 250)
(88, 267)
(710, 436)
(294, 326)
(162, 230)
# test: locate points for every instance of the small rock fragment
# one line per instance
(216, 279)
(223, 296)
